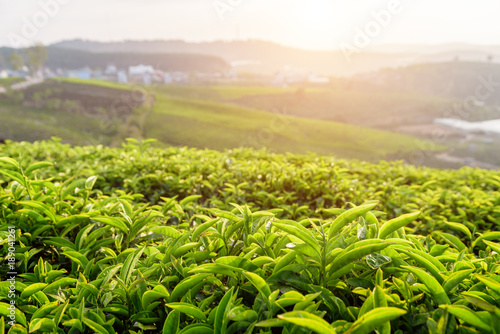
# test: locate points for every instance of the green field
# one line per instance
(7, 82)
(25, 124)
(217, 126)
(147, 240)
(95, 82)
(228, 92)
(201, 117)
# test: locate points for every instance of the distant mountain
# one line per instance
(66, 58)
(426, 49)
(268, 57)
(443, 52)
(455, 79)
(253, 55)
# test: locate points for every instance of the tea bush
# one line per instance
(147, 240)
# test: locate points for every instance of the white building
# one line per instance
(110, 70)
(168, 79)
(141, 70)
(283, 79)
(122, 76)
(314, 78)
(141, 73)
(83, 73)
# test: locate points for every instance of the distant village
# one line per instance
(147, 74)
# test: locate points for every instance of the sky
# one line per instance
(311, 24)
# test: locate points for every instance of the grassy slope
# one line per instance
(219, 126)
(209, 124)
(191, 122)
(29, 124)
(7, 82)
(101, 83)
(373, 109)
(227, 93)
(23, 123)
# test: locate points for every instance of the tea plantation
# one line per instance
(146, 240)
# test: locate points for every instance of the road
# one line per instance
(22, 85)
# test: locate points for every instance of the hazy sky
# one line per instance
(313, 24)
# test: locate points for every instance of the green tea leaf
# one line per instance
(32, 289)
(188, 309)
(9, 161)
(396, 223)
(171, 325)
(95, 326)
(197, 329)
(490, 283)
(459, 228)
(37, 165)
(431, 283)
(259, 283)
(112, 221)
(347, 217)
(309, 321)
(42, 325)
(455, 279)
(5, 310)
(223, 308)
(300, 232)
(374, 318)
(61, 283)
(129, 265)
(357, 251)
(185, 285)
(148, 297)
(468, 316)
(166, 231)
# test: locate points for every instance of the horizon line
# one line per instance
(187, 41)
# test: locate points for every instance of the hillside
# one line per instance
(258, 56)
(76, 59)
(456, 79)
(363, 103)
(178, 121)
(216, 126)
(117, 240)
(363, 107)
(268, 57)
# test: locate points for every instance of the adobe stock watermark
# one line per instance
(461, 111)
(224, 6)
(364, 36)
(31, 26)
(12, 276)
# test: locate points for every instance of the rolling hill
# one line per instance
(268, 57)
(180, 121)
(75, 59)
(455, 79)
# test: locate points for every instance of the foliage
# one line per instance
(36, 56)
(16, 61)
(139, 239)
(76, 59)
(187, 121)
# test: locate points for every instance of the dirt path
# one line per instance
(26, 84)
(21, 85)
